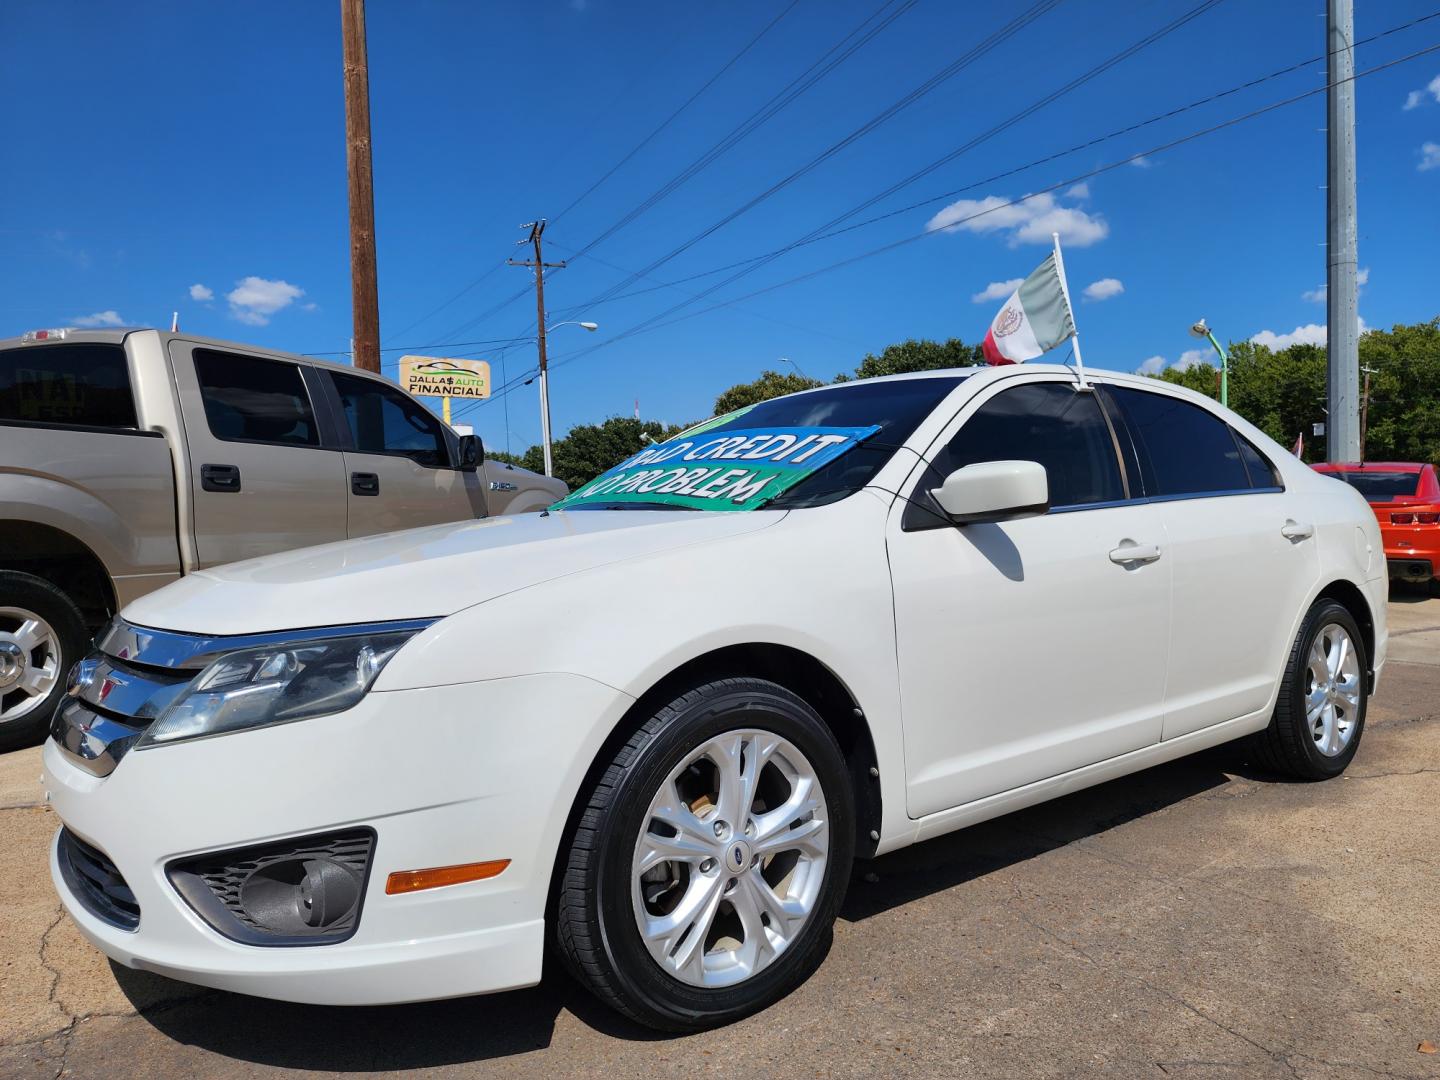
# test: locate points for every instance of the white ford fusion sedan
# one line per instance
(653, 728)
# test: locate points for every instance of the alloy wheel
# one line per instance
(730, 860)
(29, 662)
(1332, 690)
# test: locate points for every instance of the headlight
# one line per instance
(275, 684)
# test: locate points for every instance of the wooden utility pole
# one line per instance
(365, 299)
(537, 229)
(1365, 411)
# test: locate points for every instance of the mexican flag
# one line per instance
(1034, 320)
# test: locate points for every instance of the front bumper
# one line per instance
(443, 775)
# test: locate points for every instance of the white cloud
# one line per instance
(1030, 220)
(1104, 289)
(1196, 358)
(1416, 98)
(997, 290)
(255, 299)
(1079, 191)
(1140, 161)
(1309, 334)
(1429, 156)
(1319, 295)
(100, 318)
(201, 293)
(1152, 366)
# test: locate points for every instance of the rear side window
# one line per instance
(1183, 449)
(387, 421)
(1049, 423)
(251, 399)
(67, 385)
(1262, 472)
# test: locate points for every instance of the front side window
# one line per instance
(77, 385)
(254, 399)
(1046, 422)
(386, 421)
(1183, 449)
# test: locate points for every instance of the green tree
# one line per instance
(505, 458)
(770, 384)
(588, 450)
(919, 355)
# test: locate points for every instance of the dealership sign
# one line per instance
(429, 376)
(735, 469)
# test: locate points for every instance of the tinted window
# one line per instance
(1379, 486)
(896, 406)
(1183, 449)
(1046, 422)
(82, 385)
(1257, 465)
(386, 421)
(249, 399)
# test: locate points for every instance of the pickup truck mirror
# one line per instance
(471, 452)
(994, 491)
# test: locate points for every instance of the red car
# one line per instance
(1405, 496)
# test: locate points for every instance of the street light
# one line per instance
(545, 389)
(1200, 330)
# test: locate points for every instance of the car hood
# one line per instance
(421, 573)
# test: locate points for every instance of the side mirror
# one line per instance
(994, 491)
(471, 452)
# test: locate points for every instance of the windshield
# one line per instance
(801, 450)
(1379, 486)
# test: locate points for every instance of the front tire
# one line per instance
(41, 634)
(708, 864)
(1320, 713)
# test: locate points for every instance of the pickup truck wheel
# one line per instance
(705, 872)
(41, 635)
(1320, 714)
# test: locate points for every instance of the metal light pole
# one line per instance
(1342, 439)
(1200, 330)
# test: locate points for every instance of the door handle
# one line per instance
(364, 483)
(1131, 552)
(220, 478)
(1293, 530)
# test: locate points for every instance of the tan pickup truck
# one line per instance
(131, 457)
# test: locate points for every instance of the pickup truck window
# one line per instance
(386, 421)
(252, 399)
(71, 385)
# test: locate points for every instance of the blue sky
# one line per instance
(152, 148)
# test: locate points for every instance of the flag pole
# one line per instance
(1074, 337)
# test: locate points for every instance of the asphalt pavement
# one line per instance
(1200, 919)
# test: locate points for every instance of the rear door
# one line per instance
(261, 478)
(1243, 558)
(399, 465)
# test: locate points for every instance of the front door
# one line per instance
(1032, 647)
(260, 479)
(400, 470)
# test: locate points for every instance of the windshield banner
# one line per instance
(738, 469)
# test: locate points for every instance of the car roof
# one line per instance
(116, 335)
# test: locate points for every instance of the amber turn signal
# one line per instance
(403, 881)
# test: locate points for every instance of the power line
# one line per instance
(1109, 167)
(1088, 144)
(828, 61)
(672, 117)
(987, 45)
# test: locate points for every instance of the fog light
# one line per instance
(305, 891)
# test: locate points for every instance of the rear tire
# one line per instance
(41, 635)
(1320, 713)
(678, 936)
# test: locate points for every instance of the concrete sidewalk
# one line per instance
(1198, 920)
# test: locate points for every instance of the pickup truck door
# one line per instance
(261, 478)
(399, 464)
